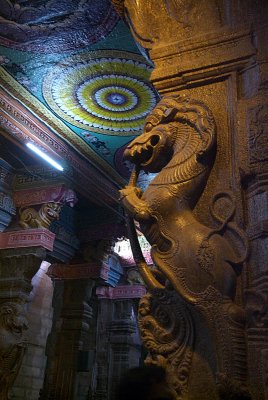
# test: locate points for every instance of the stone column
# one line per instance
(257, 293)
(216, 52)
(76, 316)
(252, 138)
(38, 209)
(121, 348)
(7, 207)
(17, 267)
(72, 367)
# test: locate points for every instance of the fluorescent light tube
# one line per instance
(43, 155)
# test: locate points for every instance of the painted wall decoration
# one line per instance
(52, 25)
(104, 91)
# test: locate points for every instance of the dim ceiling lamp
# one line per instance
(43, 155)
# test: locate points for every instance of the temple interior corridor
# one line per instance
(133, 196)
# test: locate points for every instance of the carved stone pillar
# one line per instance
(40, 205)
(75, 317)
(253, 138)
(51, 343)
(214, 53)
(120, 349)
(257, 293)
(7, 207)
(17, 267)
(73, 360)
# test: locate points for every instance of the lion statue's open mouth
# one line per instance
(149, 151)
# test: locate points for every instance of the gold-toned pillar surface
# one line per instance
(210, 67)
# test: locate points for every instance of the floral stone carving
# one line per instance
(197, 265)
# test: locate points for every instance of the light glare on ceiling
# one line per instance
(43, 155)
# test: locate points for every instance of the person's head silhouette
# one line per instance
(145, 383)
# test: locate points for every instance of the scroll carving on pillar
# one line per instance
(13, 323)
(197, 265)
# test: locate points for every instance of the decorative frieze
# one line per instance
(52, 194)
(121, 292)
(38, 176)
(78, 271)
(30, 238)
(108, 273)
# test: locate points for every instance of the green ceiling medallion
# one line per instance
(103, 91)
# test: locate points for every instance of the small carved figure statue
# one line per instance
(31, 218)
(134, 277)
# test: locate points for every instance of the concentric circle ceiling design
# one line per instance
(103, 91)
(54, 25)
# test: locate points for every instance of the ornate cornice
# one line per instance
(121, 292)
(91, 173)
(78, 271)
(58, 194)
(178, 63)
(30, 238)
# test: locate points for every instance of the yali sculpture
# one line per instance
(189, 320)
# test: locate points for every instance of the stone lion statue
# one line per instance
(31, 218)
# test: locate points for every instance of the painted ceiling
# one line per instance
(77, 62)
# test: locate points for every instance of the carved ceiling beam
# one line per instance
(87, 172)
(32, 196)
